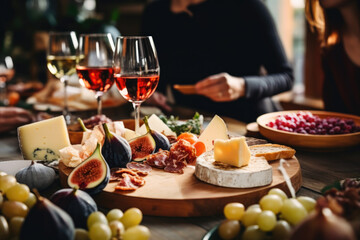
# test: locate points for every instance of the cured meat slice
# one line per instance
(158, 159)
(175, 166)
(142, 167)
(117, 173)
(183, 151)
(129, 182)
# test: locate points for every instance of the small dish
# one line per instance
(311, 141)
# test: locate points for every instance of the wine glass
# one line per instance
(6, 73)
(61, 61)
(136, 70)
(94, 64)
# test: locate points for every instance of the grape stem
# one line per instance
(286, 177)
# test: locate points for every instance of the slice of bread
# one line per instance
(272, 151)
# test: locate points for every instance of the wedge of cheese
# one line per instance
(157, 124)
(43, 140)
(234, 151)
(216, 129)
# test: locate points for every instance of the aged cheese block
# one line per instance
(157, 124)
(43, 140)
(234, 151)
(257, 173)
(215, 130)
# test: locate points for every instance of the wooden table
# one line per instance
(318, 170)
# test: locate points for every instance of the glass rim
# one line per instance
(133, 37)
(95, 34)
(61, 33)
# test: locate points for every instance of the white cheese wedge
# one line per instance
(129, 134)
(257, 173)
(43, 140)
(234, 151)
(157, 124)
(216, 129)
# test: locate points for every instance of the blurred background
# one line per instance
(24, 27)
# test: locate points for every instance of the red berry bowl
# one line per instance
(316, 130)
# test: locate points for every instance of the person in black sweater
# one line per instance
(221, 46)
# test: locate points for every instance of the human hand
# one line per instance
(158, 99)
(13, 117)
(221, 87)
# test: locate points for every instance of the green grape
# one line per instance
(282, 230)
(272, 203)
(250, 217)
(18, 192)
(4, 228)
(229, 229)
(308, 203)
(132, 217)
(96, 217)
(234, 211)
(266, 220)
(279, 192)
(114, 214)
(253, 233)
(81, 234)
(30, 202)
(117, 229)
(15, 225)
(12, 209)
(293, 211)
(6, 182)
(137, 232)
(253, 206)
(99, 231)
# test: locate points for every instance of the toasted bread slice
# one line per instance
(272, 151)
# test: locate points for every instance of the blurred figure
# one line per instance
(338, 25)
(13, 117)
(221, 46)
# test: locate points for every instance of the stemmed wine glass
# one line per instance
(61, 61)
(6, 73)
(94, 64)
(136, 70)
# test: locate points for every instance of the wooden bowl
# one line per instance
(319, 142)
(76, 135)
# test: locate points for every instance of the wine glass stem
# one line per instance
(137, 116)
(66, 108)
(3, 99)
(99, 102)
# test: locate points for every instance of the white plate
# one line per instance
(13, 166)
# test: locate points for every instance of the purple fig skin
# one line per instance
(77, 203)
(161, 141)
(47, 221)
(116, 150)
(83, 185)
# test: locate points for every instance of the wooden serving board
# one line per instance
(183, 195)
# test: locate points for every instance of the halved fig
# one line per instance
(92, 175)
(142, 146)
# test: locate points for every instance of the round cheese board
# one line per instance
(183, 195)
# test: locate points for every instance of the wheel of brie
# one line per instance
(257, 173)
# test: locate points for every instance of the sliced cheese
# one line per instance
(234, 152)
(129, 134)
(157, 124)
(216, 129)
(257, 173)
(43, 140)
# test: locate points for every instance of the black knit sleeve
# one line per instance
(279, 76)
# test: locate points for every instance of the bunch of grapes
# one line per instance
(307, 123)
(115, 225)
(15, 202)
(272, 218)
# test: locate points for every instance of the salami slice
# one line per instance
(158, 159)
(140, 167)
(117, 173)
(175, 166)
